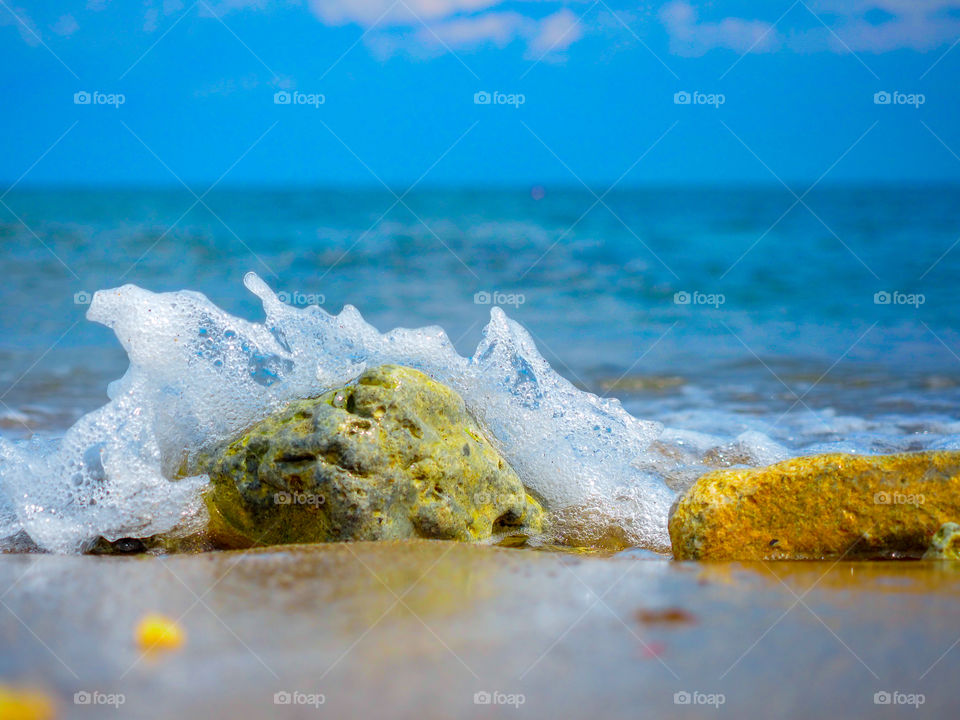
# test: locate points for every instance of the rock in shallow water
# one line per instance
(945, 544)
(823, 506)
(395, 455)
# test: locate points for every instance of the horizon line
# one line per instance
(525, 187)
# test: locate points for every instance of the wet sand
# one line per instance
(416, 629)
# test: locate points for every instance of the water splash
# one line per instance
(199, 375)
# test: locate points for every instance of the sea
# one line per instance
(819, 321)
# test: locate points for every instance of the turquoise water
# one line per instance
(783, 301)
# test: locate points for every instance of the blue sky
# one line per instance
(781, 91)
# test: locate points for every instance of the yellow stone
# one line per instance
(16, 704)
(823, 506)
(157, 632)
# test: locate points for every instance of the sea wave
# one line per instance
(199, 375)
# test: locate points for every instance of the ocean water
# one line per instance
(597, 281)
(751, 325)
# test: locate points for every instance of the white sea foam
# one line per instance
(198, 375)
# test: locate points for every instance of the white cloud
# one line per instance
(493, 27)
(455, 23)
(894, 7)
(18, 18)
(853, 25)
(546, 27)
(66, 26)
(917, 25)
(229, 86)
(688, 36)
(150, 20)
(219, 8)
(389, 12)
(551, 34)
(895, 34)
(556, 32)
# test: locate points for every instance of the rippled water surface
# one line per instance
(783, 334)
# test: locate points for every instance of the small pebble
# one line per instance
(158, 632)
(19, 704)
(671, 615)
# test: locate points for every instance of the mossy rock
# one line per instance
(945, 544)
(395, 455)
(824, 506)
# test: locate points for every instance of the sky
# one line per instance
(219, 93)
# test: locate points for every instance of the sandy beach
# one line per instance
(418, 629)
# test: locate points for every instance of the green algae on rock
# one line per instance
(395, 455)
(945, 544)
(825, 506)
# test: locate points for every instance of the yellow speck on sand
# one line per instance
(17, 704)
(157, 632)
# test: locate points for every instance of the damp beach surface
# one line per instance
(437, 629)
